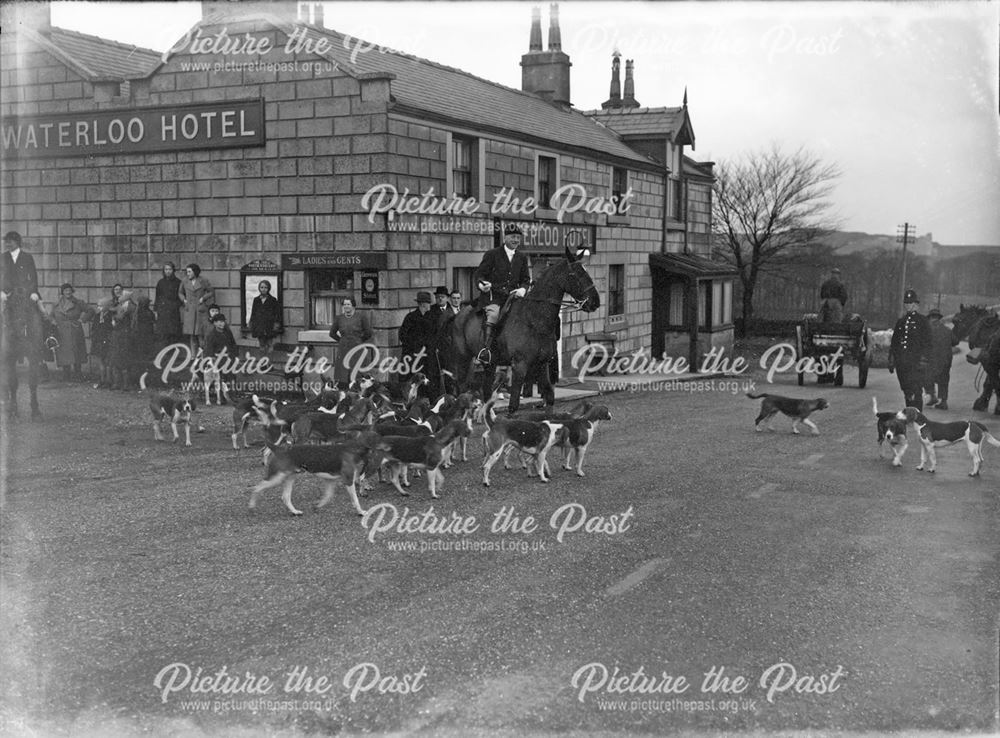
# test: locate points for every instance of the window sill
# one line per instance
(316, 336)
(674, 225)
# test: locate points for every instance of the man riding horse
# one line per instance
(502, 273)
(22, 318)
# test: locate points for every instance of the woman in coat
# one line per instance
(196, 294)
(350, 329)
(265, 317)
(69, 314)
(167, 307)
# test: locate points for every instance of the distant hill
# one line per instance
(849, 242)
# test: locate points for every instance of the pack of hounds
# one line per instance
(891, 427)
(349, 436)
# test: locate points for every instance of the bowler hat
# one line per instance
(934, 313)
(423, 297)
(911, 296)
(512, 229)
(442, 290)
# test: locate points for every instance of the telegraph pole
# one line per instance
(904, 234)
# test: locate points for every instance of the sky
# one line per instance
(901, 96)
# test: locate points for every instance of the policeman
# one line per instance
(502, 272)
(909, 351)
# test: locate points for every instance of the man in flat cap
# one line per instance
(834, 296)
(502, 272)
(941, 355)
(909, 351)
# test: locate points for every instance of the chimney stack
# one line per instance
(36, 16)
(629, 100)
(615, 101)
(546, 73)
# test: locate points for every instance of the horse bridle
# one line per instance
(574, 305)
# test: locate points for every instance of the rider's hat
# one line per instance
(934, 313)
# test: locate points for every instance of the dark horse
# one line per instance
(982, 329)
(527, 338)
(22, 336)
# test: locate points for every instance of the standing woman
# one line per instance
(265, 317)
(70, 313)
(167, 307)
(196, 294)
(350, 329)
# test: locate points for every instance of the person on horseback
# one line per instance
(18, 273)
(502, 273)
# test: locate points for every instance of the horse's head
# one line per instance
(983, 330)
(579, 284)
(965, 318)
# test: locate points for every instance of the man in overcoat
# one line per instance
(419, 331)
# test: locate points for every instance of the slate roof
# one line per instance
(691, 265)
(103, 57)
(648, 122)
(424, 87)
(697, 168)
(452, 93)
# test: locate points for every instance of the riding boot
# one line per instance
(485, 356)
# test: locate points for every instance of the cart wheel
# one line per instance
(862, 371)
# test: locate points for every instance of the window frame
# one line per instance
(554, 185)
(613, 269)
(474, 169)
(618, 188)
(336, 294)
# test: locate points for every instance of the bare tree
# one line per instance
(766, 203)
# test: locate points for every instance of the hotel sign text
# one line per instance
(133, 131)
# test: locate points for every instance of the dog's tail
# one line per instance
(491, 416)
(987, 436)
(756, 397)
(874, 405)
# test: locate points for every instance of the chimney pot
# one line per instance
(555, 37)
(535, 40)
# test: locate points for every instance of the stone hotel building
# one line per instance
(261, 147)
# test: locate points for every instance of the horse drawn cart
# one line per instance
(816, 340)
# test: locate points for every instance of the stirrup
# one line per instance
(484, 356)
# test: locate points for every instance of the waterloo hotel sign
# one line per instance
(263, 145)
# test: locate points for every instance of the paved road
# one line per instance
(818, 588)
